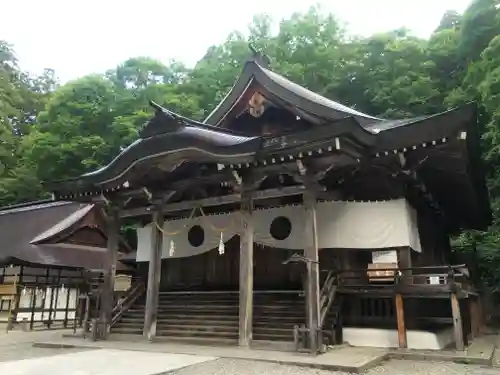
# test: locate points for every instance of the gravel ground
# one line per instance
(395, 367)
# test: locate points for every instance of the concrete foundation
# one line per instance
(388, 338)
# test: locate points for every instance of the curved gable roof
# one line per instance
(286, 90)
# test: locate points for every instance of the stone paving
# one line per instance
(101, 362)
(19, 357)
(19, 345)
(344, 358)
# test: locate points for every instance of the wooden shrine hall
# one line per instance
(285, 216)
(47, 250)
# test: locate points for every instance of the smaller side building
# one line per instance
(47, 251)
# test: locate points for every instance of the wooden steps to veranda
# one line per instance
(213, 317)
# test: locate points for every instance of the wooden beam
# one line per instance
(400, 316)
(246, 272)
(217, 201)
(154, 276)
(312, 283)
(457, 322)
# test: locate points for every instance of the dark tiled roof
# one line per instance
(21, 225)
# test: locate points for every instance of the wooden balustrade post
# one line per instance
(457, 322)
(400, 316)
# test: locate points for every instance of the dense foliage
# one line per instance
(50, 132)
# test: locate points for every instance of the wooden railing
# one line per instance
(326, 300)
(135, 292)
(426, 276)
(327, 296)
(93, 322)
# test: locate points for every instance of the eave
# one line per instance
(172, 140)
(188, 141)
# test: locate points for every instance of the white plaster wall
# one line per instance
(25, 302)
(387, 338)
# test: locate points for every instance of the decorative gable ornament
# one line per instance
(163, 122)
(257, 105)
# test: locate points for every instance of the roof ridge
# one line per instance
(31, 206)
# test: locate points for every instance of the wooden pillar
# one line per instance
(480, 313)
(404, 263)
(312, 284)
(154, 275)
(408, 308)
(107, 300)
(400, 316)
(246, 272)
(33, 304)
(51, 304)
(472, 316)
(66, 306)
(457, 322)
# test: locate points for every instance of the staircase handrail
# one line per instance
(327, 297)
(121, 307)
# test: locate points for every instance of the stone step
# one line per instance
(196, 301)
(272, 331)
(215, 317)
(176, 310)
(199, 302)
(221, 319)
(233, 322)
(181, 316)
(227, 300)
(219, 341)
(193, 305)
(281, 305)
(256, 307)
(275, 337)
(179, 326)
(284, 315)
(179, 332)
(185, 318)
(190, 339)
(212, 322)
(212, 297)
(200, 327)
(201, 324)
(127, 330)
(257, 324)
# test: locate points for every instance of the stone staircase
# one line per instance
(206, 317)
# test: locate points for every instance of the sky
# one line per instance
(81, 37)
